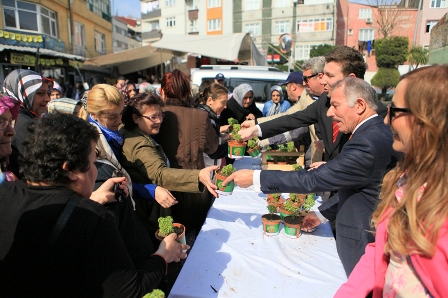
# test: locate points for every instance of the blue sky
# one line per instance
(126, 8)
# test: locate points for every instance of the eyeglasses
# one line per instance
(4, 123)
(154, 118)
(392, 110)
(306, 78)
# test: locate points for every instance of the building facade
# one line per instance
(311, 23)
(431, 12)
(126, 33)
(51, 36)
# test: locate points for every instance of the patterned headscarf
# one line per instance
(240, 91)
(22, 84)
(9, 103)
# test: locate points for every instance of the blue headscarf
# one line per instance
(112, 137)
(276, 107)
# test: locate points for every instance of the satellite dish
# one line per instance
(285, 42)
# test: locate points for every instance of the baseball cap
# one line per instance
(220, 77)
(294, 77)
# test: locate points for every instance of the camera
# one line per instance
(119, 193)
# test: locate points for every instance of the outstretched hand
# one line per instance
(310, 221)
(204, 178)
(248, 133)
(248, 123)
(164, 197)
(243, 178)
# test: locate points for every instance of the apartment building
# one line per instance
(194, 17)
(126, 33)
(431, 12)
(53, 37)
(311, 22)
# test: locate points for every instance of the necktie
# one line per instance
(335, 131)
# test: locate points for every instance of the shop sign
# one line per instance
(23, 59)
(75, 64)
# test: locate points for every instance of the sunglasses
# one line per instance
(306, 78)
(392, 110)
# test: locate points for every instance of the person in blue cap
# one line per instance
(220, 79)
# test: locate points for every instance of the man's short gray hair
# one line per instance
(316, 65)
(355, 88)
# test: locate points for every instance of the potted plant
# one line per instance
(296, 199)
(156, 293)
(293, 223)
(290, 147)
(271, 222)
(282, 148)
(308, 204)
(297, 167)
(275, 200)
(253, 149)
(220, 176)
(166, 227)
(236, 147)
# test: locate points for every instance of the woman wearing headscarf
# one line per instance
(68, 106)
(241, 106)
(9, 110)
(32, 90)
(57, 91)
(277, 104)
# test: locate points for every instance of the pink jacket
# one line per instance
(369, 273)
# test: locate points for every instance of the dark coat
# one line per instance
(234, 110)
(356, 173)
(314, 113)
(185, 135)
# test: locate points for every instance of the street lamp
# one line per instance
(294, 31)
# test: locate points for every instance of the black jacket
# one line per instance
(234, 110)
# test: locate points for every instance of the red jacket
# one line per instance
(369, 273)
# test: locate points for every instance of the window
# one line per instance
(123, 32)
(194, 26)
(116, 43)
(100, 8)
(350, 31)
(366, 34)
(253, 29)
(115, 29)
(429, 25)
(214, 3)
(252, 4)
(282, 27)
(303, 52)
(438, 3)
(124, 46)
(100, 46)
(313, 25)
(171, 22)
(214, 25)
(170, 2)
(282, 3)
(79, 35)
(29, 16)
(365, 13)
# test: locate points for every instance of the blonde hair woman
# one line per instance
(409, 255)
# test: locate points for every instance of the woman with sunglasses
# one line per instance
(145, 161)
(409, 255)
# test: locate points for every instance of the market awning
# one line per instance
(131, 60)
(237, 47)
(42, 51)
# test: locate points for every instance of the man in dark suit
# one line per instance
(340, 63)
(356, 173)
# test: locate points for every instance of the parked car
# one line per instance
(261, 78)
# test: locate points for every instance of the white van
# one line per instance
(261, 78)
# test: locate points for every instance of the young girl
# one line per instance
(409, 255)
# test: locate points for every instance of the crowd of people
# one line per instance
(86, 178)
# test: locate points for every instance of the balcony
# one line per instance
(152, 34)
(193, 14)
(193, 32)
(152, 14)
(79, 50)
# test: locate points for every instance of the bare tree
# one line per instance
(390, 17)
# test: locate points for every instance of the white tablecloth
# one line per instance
(232, 258)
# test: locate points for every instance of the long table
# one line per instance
(232, 258)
